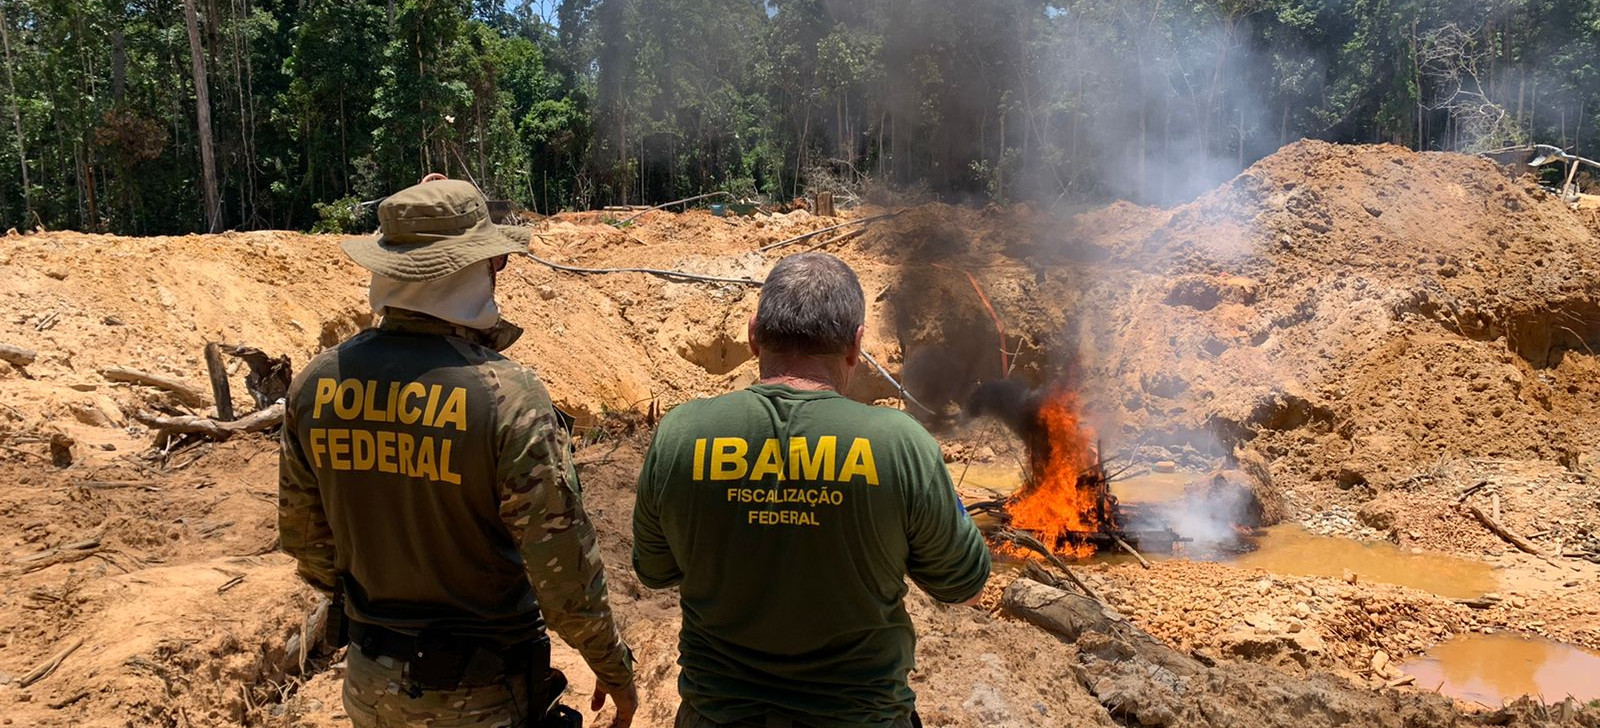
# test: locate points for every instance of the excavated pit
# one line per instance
(1286, 330)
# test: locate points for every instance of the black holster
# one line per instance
(440, 661)
(545, 702)
(336, 628)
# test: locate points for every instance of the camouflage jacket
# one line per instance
(432, 475)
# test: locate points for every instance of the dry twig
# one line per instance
(43, 669)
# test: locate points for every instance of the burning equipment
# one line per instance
(1066, 503)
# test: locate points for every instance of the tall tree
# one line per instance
(202, 95)
(16, 115)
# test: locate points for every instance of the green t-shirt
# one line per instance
(789, 520)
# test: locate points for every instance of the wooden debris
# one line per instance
(185, 394)
(231, 583)
(670, 204)
(220, 392)
(1469, 490)
(17, 356)
(1131, 550)
(64, 554)
(1504, 533)
(1399, 681)
(258, 421)
(269, 377)
(148, 485)
(824, 207)
(1030, 543)
(20, 451)
(44, 669)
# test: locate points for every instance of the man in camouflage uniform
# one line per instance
(426, 481)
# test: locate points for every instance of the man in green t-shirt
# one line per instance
(789, 517)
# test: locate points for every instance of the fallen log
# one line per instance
(185, 393)
(17, 356)
(1071, 617)
(258, 421)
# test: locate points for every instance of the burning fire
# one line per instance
(1063, 500)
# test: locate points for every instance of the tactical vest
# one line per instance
(399, 425)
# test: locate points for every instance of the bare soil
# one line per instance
(1365, 331)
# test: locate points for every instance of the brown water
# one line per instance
(1494, 668)
(1290, 549)
(1003, 479)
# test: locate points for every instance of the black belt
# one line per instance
(441, 661)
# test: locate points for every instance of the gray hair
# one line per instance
(811, 303)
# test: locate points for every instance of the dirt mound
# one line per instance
(1365, 333)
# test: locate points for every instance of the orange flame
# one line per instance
(1058, 498)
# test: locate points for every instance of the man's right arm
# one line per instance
(541, 505)
(949, 558)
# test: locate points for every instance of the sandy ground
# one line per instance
(1367, 331)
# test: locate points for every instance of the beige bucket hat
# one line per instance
(431, 230)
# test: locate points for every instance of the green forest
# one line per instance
(169, 116)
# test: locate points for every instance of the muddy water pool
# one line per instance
(1494, 668)
(1291, 549)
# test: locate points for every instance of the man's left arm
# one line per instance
(303, 528)
(948, 557)
(541, 504)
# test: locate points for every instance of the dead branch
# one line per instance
(44, 669)
(1469, 490)
(115, 484)
(1504, 533)
(258, 421)
(21, 451)
(64, 554)
(1023, 540)
(1131, 550)
(185, 393)
(17, 356)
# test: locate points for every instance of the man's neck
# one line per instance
(800, 383)
(802, 374)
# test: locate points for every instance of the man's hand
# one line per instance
(626, 698)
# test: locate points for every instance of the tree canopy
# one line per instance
(316, 105)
